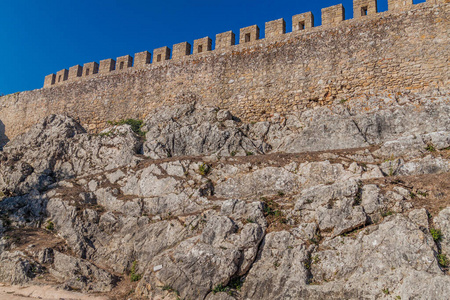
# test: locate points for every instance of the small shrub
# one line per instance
(442, 260)
(50, 226)
(343, 101)
(386, 291)
(233, 153)
(203, 169)
(280, 193)
(136, 125)
(133, 275)
(248, 153)
(436, 234)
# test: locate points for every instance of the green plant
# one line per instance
(391, 171)
(102, 134)
(442, 260)
(50, 226)
(203, 169)
(248, 153)
(170, 289)
(430, 147)
(387, 213)
(398, 297)
(136, 125)
(276, 264)
(235, 283)
(233, 153)
(316, 259)
(218, 288)
(386, 291)
(133, 275)
(436, 234)
(412, 195)
(423, 194)
(280, 193)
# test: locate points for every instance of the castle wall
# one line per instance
(390, 51)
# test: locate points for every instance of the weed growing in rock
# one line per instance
(276, 264)
(50, 226)
(423, 194)
(386, 291)
(218, 288)
(203, 169)
(248, 153)
(236, 283)
(133, 275)
(443, 260)
(436, 234)
(316, 259)
(170, 289)
(430, 147)
(387, 213)
(233, 153)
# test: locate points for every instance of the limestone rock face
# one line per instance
(188, 130)
(344, 202)
(57, 148)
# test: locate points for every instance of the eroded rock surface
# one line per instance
(207, 207)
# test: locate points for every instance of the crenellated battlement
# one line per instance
(331, 16)
(402, 50)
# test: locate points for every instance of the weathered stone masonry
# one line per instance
(396, 50)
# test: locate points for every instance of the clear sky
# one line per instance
(40, 37)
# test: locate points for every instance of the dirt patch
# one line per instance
(14, 292)
(430, 191)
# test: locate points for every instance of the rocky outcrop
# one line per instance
(207, 207)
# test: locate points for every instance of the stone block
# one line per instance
(124, 62)
(62, 75)
(225, 40)
(107, 65)
(302, 21)
(75, 72)
(362, 8)
(181, 50)
(161, 54)
(202, 45)
(142, 59)
(90, 68)
(249, 34)
(333, 14)
(49, 80)
(399, 5)
(275, 28)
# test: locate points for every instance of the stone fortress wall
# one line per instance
(330, 16)
(404, 49)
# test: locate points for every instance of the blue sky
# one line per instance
(40, 37)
